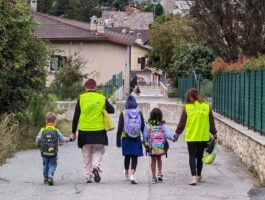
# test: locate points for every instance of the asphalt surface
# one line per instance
(21, 177)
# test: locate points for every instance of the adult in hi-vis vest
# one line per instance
(198, 120)
(92, 136)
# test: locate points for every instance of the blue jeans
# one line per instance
(49, 167)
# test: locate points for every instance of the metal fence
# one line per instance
(114, 83)
(185, 83)
(240, 97)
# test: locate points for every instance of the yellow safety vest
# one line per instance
(91, 112)
(197, 125)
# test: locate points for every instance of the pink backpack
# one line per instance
(157, 140)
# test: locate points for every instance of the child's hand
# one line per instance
(176, 137)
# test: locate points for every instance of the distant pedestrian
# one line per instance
(130, 129)
(137, 90)
(156, 134)
(92, 136)
(47, 141)
(198, 120)
(133, 84)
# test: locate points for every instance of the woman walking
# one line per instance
(198, 119)
(130, 129)
(92, 136)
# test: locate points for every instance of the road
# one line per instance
(21, 177)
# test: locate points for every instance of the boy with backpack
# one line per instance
(156, 134)
(47, 141)
(130, 127)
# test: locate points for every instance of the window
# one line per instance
(57, 62)
(142, 62)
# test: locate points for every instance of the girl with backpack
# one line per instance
(156, 134)
(130, 127)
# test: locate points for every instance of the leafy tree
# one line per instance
(231, 28)
(82, 10)
(45, 6)
(189, 57)
(69, 78)
(166, 33)
(22, 57)
(157, 9)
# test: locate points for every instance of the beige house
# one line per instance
(105, 52)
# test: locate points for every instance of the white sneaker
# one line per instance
(126, 176)
(193, 180)
(133, 180)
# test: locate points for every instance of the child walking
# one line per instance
(156, 134)
(47, 141)
(130, 129)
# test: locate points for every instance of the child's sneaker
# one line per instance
(126, 176)
(97, 177)
(199, 179)
(50, 181)
(133, 180)
(160, 177)
(89, 180)
(154, 180)
(45, 181)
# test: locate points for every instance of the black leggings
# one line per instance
(127, 161)
(196, 150)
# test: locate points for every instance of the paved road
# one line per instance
(21, 178)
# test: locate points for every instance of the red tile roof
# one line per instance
(56, 28)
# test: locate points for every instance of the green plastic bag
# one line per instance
(209, 158)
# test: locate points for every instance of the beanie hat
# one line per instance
(130, 102)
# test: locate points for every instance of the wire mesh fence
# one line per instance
(240, 97)
(185, 83)
(112, 84)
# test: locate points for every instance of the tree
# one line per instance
(231, 28)
(166, 33)
(45, 6)
(157, 9)
(82, 10)
(189, 57)
(22, 57)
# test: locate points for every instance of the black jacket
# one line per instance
(90, 137)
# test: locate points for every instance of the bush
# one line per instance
(69, 79)
(255, 63)
(220, 66)
(173, 93)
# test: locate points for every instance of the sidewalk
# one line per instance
(21, 177)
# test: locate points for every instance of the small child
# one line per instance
(156, 134)
(47, 141)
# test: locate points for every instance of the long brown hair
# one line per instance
(193, 95)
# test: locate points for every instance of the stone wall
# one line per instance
(144, 107)
(171, 112)
(67, 109)
(247, 145)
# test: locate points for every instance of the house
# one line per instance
(177, 6)
(105, 52)
(137, 24)
(133, 20)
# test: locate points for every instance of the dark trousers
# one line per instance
(127, 161)
(196, 150)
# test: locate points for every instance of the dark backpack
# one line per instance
(49, 143)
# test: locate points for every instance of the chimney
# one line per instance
(33, 4)
(93, 23)
(101, 26)
(139, 39)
